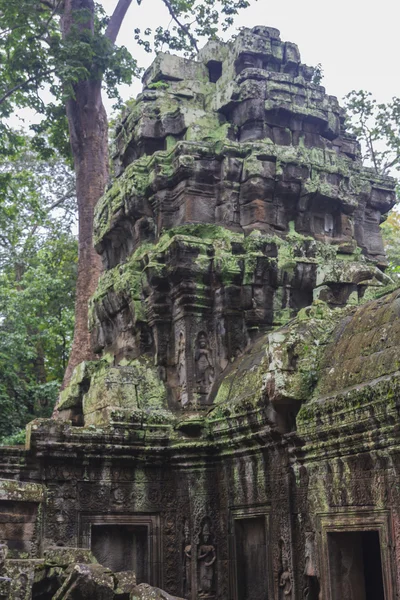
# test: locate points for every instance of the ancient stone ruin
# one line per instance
(238, 438)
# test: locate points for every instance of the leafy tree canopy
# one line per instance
(38, 256)
(391, 237)
(377, 126)
(34, 57)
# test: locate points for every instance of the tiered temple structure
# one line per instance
(238, 438)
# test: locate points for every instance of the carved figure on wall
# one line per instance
(204, 365)
(311, 589)
(310, 567)
(206, 558)
(181, 368)
(187, 561)
(285, 581)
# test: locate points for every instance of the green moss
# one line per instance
(21, 491)
(206, 134)
(286, 259)
(62, 556)
(134, 385)
(158, 85)
(71, 396)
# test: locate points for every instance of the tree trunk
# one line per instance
(88, 128)
(87, 121)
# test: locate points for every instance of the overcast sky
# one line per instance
(356, 41)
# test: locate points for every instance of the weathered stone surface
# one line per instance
(5, 584)
(85, 582)
(62, 556)
(240, 199)
(126, 583)
(146, 592)
(21, 574)
(238, 438)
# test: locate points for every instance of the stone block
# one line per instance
(64, 556)
(71, 396)
(126, 583)
(168, 67)
(291, 54)
(86, 582)
(126, 387)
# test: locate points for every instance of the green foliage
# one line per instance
(16, 439)
(38, 256)
(158, 85)
(31, 190)
(192, 20)
(318, 74)
(377, 126)
(34, 57)
(36, 328)
(391, 238)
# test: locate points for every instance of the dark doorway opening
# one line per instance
(214, 70)
(122, 548)
(251, 559)
(355, 565)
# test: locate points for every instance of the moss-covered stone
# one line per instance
(134, 385)
(71, 396)
(21, 491)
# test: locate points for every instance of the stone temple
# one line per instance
(239, 436)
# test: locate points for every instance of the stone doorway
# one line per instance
(125, 542)
(250, 574)
(122, 548)
(355, 565)
(356, 555)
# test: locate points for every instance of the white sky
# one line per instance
(356, 41)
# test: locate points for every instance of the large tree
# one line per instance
(38, 256)
(68, 47)
(377, 126)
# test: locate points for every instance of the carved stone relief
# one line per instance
(181, 362)
(285, 576)
(206, 558)
(204, 368)
(187, 560)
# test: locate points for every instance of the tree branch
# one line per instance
(372, 151)
(47, 3)
(117, 17)
(55, 204)
(53, 13)
(22, 85)
(392, 162)
(181, 25)
(66, 196)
